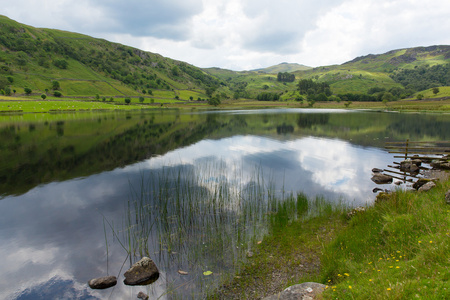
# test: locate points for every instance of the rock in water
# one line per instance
(381, 178)
(102, 282)
(142, 273)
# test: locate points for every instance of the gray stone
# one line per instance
(303, 291)
(142, 295)
(410, 166)
(102, 282)
(420, 182)
(447, 197)
(142, 273)
(381, 178)
(376, 170)
(427, 186)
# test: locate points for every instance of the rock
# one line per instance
(356, 210)
(447, 197)
(410, 166)
(142, 295)
(420, 182)
(379, 178)
(398, 182)
(376, 170)
(376, 190)
(427, 186)
(142, 273)
(440, 165)
(102, 282)
(303, 291)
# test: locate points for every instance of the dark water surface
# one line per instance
(71, 186)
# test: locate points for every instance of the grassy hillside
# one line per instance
(36, 61)
(84, 66)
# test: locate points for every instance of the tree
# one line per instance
(141, 99)
(61, 63)
(435, 90)
(57, 94)
(55, 85)
(127, 100)
(27, 91)
(43, 96)
(419, 96)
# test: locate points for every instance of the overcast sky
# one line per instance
(248, 34)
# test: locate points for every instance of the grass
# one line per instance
(397, 249)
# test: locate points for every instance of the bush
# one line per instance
(127, 100)
(141, 99)
(43, 96)
(27, 91)
(61, 63)
(57, 94)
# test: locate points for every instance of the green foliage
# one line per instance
(27, 90)
(57, 94)
(55, 85)
(424, 77)
(268, 96)
(127, 100)
(308, 86)
(61, 63)
(43, 96)
(285, 77)
(141, 99)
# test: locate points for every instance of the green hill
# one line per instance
(59, 63)
(283, 67)
(84, 66)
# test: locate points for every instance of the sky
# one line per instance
(248, 34)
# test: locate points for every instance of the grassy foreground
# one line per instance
(396, 249)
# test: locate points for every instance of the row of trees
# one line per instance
(285, 77)
(424, 77)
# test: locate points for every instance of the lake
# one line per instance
(86, 195)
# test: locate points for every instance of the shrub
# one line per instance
(57, 94)
(141, 99)
(127, 100)
(43, 96)
(27, 91)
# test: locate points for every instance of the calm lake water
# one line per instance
(85, 195)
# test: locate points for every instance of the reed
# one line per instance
(203, 218)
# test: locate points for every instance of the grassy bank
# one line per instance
(397, 249)
(34, 104)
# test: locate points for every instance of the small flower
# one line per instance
(397, 267)
(431, 242)
(388, 289)
(370, 279)
(420, 242)
(350, 287)
(346, 274)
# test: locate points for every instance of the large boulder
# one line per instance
(427, 186)
(102, 282)
(303, 291)
(420, 182)
(379, 178)
(142, 273)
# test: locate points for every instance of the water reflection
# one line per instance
(52, 235)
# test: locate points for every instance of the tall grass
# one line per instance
(398, 249)
(199, 219)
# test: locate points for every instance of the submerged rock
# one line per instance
(102, 282)
(142, 273)
(306, 290)
(379, 178)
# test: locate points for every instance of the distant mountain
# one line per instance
(283, 67)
